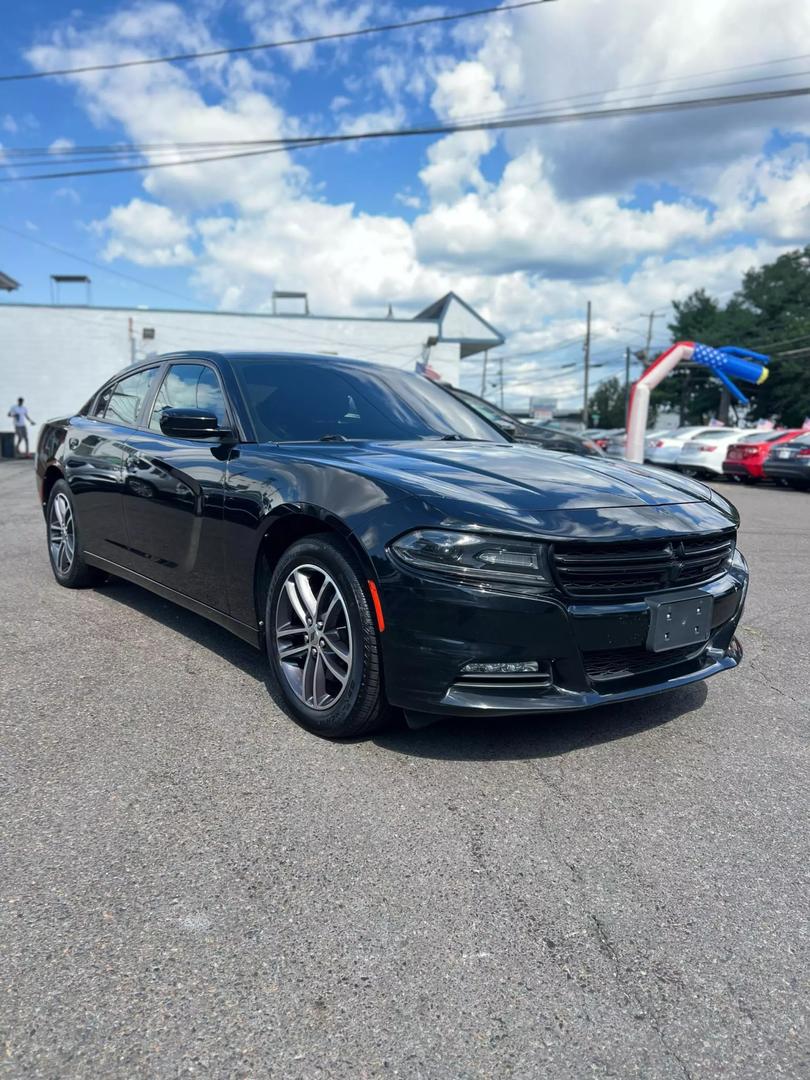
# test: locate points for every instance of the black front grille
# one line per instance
(592, 571)
(623, 663)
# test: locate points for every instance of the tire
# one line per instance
(64, 541)
(331, 680)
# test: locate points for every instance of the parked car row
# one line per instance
(748, 456)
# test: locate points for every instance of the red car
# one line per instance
(746, 456)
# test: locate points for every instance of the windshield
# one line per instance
(486, 409)
(300, 401)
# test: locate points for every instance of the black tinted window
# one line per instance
(292, 402)
(189, 386)
(128, 396)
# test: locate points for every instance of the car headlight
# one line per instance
(475, 557)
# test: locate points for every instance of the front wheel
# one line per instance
(322, 642)
(64, 550)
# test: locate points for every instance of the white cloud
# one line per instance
(9, 124)
(70, 194)
(466, 90)
(146, 233)
(413, 202)
(285, 20)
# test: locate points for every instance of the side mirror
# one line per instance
(190, 424)
(510, 430)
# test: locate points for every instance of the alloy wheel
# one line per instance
(62, 534)
(313, 637)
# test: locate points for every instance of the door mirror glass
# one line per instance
(189, 424)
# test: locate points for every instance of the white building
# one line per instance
(55, 356)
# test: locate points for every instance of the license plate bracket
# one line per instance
(676, 623)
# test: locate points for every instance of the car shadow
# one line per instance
(540, 735)
(194, 627)
(494, 738)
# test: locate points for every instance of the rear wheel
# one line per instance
(64, 547)
(322, 643)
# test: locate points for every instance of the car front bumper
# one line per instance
(594, 654)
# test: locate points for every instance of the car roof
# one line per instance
(220, 356)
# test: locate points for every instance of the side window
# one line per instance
(189, 386)
(103, 401)
(127, 397)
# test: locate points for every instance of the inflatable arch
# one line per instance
(727, 363)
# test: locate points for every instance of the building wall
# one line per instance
(57, 356)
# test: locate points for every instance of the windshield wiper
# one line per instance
(453, 437)
(333, 438)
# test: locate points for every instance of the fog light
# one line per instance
(525, 667)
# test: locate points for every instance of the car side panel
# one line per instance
(173, 500)
(91, 458)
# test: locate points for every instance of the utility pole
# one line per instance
(649, 337)
(484, 374)
(650, 321)
(500, 373)
(587, 351)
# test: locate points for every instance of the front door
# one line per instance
(94, 463)
(173, 492)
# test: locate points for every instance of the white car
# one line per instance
(664, 449)
(706, 452)
(616, 443)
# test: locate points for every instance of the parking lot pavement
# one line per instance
(194, 886)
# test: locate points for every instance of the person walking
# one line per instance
(19, 413)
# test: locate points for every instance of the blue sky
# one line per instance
(527, 226)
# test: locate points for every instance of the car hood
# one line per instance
(511, 477)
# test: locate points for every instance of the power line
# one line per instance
(597, 96)
(539, 108)
(99, 266)
(270, 146)
(241, 49)
(79, 153)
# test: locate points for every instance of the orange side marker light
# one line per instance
(375, 599)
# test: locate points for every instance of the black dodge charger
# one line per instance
(386, 545)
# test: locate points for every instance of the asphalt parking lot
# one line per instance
(193, 886)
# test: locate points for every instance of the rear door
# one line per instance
(94, 462)
(173, 490)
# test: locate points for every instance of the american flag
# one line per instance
(423, 368)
